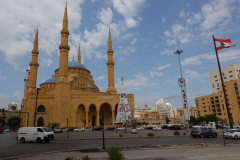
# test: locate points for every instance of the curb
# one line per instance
(92, 150)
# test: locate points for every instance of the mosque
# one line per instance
(71, 96)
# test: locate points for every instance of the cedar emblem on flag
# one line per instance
(223, 43)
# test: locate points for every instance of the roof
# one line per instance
(76, 64)
(51, 80)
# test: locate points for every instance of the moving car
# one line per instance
(232, 133)
(110, 128)
(203, 132)
(99, 128)
(79, 129)
(57, 130)
(121, 128)
(38, 134)
(7, 130)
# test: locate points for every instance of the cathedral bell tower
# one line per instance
(110, 64)
(34, 66)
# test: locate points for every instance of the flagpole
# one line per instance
(223, 88)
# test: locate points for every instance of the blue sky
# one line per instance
(145, 33)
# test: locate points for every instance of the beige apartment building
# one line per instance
(229, 73)
(192, 112)
(215, 104)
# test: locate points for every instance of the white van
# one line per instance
(38, 134)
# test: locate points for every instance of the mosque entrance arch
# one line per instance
(92, 114)
(106, 108)
(40, 122)
(80, 116)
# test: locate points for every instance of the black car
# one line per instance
(149, 128)
(99, 128)
(71, 129)
(176, 127)
(110, 129)
(165, 127)
(203, 132)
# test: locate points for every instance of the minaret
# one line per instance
(34, 66)
(110, 64)
(79, 54)
(64, 49)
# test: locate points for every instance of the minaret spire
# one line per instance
(64, 49)
(110, 64)
(79, 54)
(34, 65)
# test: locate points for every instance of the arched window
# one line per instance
(41, 109)
(40, 122)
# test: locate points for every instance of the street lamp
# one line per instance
(178, 52)
(35, 108)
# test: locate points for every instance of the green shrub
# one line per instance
(176, 133)
(115, 154)
(85, 158)
(120, 135)
(150, 134)
(53, 125)
(184, 133)
(71, 158)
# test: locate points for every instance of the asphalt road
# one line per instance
(9, 147)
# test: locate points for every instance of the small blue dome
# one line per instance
(51, 80)
(88, 86)
(76, 64)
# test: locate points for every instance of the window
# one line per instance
(213, 86)
(231, 75)
(218, 84)
(230, 71)
(215, 76)
(39, 130)
(223, 74)
(216, 80)
(225, 78)
(235, 84)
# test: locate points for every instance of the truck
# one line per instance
(37, 134)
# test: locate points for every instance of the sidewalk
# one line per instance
(199, 152)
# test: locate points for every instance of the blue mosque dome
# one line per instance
(76, 64)
(51, 80)
(88, 86)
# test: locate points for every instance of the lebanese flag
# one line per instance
(223, 43)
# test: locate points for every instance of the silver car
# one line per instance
(232, 133)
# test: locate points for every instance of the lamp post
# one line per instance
(182, 84)
(35, 108)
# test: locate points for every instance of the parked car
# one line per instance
(148, 128)
(203, 132)
(98, 128)
(111, 128)
(121, 128)
(157, 128)
(79, 129)
(71, 129)
(7, 130)
(232, 133)
(235, 126)
(139, 128)
(177, 127)
(57, 130)
(165, 127)
(1, 129)
(219, 126)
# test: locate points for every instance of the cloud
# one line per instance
(153, 74)
(100, 78)
(229, 55)
(167, 33)
(4, 100)
(105, 16)
(163, 20)
(194, 74)
(47, 62)
(18, 25)
(163, 67)
(129, 10)
(133, 41)
(1, 76)
(167, 52)
(139, 82)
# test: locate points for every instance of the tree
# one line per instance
(53, 125)
(14, 122)
(193, 120)
(211, 118)
(167, 120)
(201, 119)
(145, 123)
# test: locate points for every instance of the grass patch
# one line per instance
(120, 135)
(115, 154)
(176, 133)
(150, 134)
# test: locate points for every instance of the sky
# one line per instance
(145, 35)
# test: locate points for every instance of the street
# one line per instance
(9, 147)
